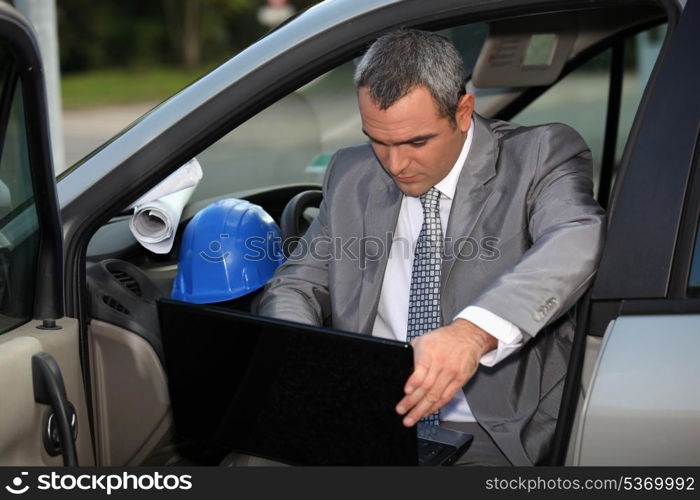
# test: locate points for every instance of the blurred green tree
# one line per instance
(192, 23)
(137, 33)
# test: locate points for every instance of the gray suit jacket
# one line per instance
(523, 241)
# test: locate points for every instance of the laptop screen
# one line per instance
(285, 391)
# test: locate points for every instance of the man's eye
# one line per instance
(418, 144)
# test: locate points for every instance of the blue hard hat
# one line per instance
(229, 249)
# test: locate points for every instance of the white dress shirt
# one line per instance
(392, 314)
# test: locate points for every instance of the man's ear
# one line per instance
(465, 108)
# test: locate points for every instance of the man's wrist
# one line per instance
(477, 336)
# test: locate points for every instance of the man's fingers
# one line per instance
(442, 366)
(417, 378)
(436, 396)
(418, 393)
(431, 398)
(420, 371)
(447, 394)
(418, 412)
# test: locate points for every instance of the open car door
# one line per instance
(43, 417)
(639, 403)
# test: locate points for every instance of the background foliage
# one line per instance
(143, 33)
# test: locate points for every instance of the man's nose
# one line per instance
(396, 160)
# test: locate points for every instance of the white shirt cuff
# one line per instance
(509, 336)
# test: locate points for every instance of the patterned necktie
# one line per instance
(424, 299)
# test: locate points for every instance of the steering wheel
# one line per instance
(297, 216)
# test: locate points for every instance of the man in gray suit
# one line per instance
(471, 238)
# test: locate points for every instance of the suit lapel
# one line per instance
(382, 213)
(471, 194)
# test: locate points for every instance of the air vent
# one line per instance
(115, 304)
(126, 281)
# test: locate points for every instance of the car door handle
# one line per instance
(49, 389)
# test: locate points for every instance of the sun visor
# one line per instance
(525, 54)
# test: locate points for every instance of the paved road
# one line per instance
(277, 146)
(86, 129)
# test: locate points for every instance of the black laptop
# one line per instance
(291, 392)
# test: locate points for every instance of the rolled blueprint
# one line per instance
(157, 213)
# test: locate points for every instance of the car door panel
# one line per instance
(21, 418)
(130, 394)
(640, 407)
(590, 358)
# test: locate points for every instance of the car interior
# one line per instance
(586, 68)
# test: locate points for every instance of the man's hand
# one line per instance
(444, 360)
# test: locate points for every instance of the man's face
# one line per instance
(415, 145)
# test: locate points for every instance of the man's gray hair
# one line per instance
(402, 60)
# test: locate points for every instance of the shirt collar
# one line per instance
(448, 185)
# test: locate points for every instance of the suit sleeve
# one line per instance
(566, 226)
(299, 289)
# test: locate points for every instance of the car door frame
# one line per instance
(51, 372)
(22, 43)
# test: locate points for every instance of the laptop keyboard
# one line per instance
(429, 450)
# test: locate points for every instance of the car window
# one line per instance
(289, 142)
(693, 288)
(580, 99)
(19, 225)
(293, 140)
(642, 51)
